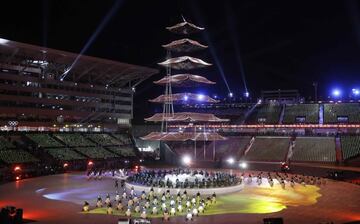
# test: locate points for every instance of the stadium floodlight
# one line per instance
(336, 93)
(246, 94)
(200, 97)
(231, 94)
(186, 159)
(230, 160)
(186, 98)
(243, 165)
(356, 92)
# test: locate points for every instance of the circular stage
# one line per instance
(59, 199)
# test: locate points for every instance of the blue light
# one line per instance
(356, 92)
(247, 94)
(186, 98)
(336, 93)
(231, 94)
(200, 97)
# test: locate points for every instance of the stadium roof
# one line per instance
(85, 69)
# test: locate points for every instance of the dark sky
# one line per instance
(281, 44)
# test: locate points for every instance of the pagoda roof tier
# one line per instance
(184, 62)
(184, 80)
(184, 28)
(184, 45)
(183, 136)
(184, 98)
(186, 117)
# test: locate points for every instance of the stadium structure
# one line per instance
(67, 120)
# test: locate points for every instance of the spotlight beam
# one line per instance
(197, 14)
(94, 35)
(235, 40)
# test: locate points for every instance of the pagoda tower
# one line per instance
(187, 122)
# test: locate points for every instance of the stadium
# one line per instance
(89, 139)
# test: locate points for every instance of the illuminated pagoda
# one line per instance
(189, 122)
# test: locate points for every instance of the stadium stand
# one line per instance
(64, 154)
(233, 146)
(124, 151)
(124, 138)
(342, 113)
(301, 113)
(350, 146)
(16, 156)
(96, 152)
(314, 149)
(5, 144)
(74, 139)
(268, 149)
(265, 114)
(103, 139)
(44, 140)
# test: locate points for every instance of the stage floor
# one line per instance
(59, 199)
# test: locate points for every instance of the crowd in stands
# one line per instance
(11, 156)
(314, 149)
(5, 143)
(350, 111)
(44, 140)
(350, 146)
(310, 113)
(74, 139)
(96, 152)
(103, 139)
(125, 151)
(64, 154)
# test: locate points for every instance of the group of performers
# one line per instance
(154, 203)
(162, 202)
(98, 174)
(157, 178)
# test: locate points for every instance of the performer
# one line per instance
(128, 212)
(120, 206)
(107, 199)
(117, 197)
(189, 215)
(99, 203)
(213, 198)
(109, 209)
(143, 214)
(86, 207)
(166, 215)
(195, 212)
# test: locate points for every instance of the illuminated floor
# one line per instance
(58, 199)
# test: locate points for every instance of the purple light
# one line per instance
(186, 98)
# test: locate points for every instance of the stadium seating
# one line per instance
(268, 149)
(44, 140)
(5, 144)
(96, 152)
(124, 138)
(317, 149)
(16, 156)
(265, 113)
(64, 154)
(350, 110)
(309, 111)
(122, 150)
(234, 146)
(103, 139)
(350, 146)
(74, 139)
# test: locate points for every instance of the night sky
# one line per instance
(273, 44)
